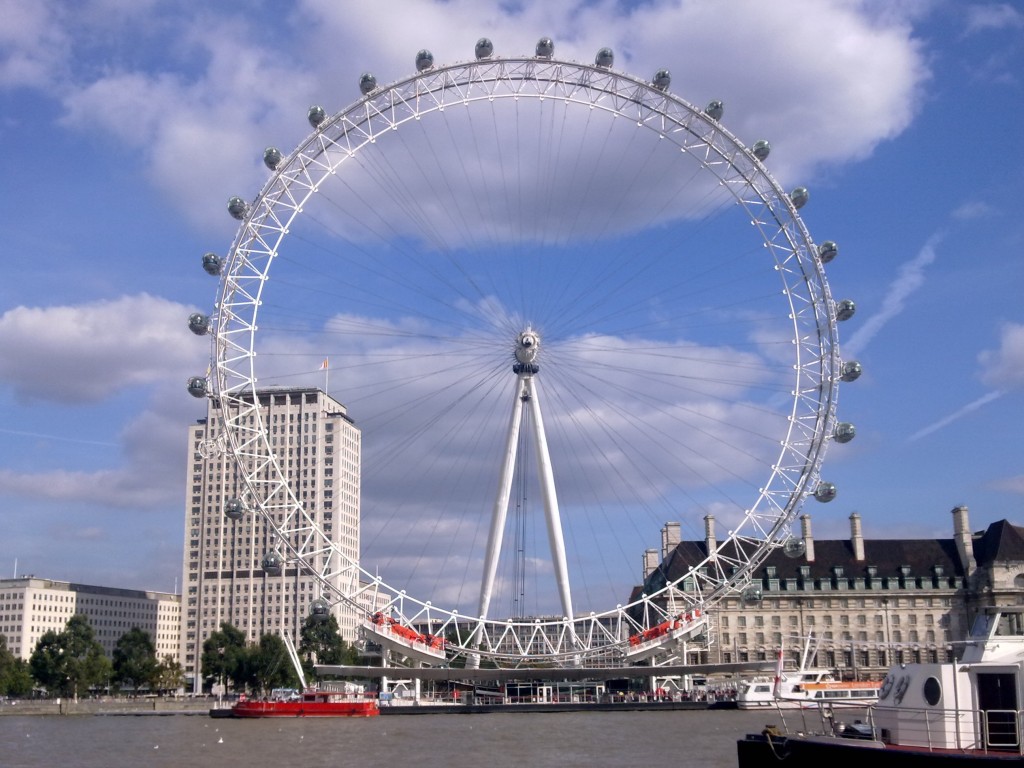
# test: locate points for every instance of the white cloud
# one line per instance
(201, 139)
(972, 210)
(984, 17)
(910, 278)
(89, 352)
(947, 420)
(1011, 484)
(147, 471)
(34, 44)
(1004, 367)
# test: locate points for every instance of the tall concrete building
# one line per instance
(30, 607)
(318, 447)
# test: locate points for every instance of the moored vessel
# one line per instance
(310, 703)
(804, 687)
(961, 713)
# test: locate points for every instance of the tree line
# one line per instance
(230, 661)
(72, 662)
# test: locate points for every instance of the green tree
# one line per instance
(320, 642)
(271, 666)
(135, 663)
(47, 663)
(68, 663)
(169, 674)
(225, 658)
(15, 677)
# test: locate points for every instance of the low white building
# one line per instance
(30, 607)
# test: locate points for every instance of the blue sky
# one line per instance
(127, 125)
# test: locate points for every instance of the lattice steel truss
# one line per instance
(598, 637)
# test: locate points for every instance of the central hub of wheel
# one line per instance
(527, 346)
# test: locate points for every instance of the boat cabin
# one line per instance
(970, 704)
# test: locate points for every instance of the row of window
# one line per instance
(861, 658)
(844, 620)
(895, 636)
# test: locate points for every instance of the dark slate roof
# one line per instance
(1001, 542)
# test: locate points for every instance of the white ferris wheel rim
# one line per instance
(266, 221)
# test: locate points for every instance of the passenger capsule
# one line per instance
(234, 509)
(424, 60)
(605, 58)
(799, 197)
(273, 563)
(752, 594)
(794, 547)
(319, 609)
(851, 371)
(367, 83)
(197, 386)
(272, 158)
(484, 48)
(545, 48)
(212, 264)
(662, 79)
(845, 309)
(198, 323)
(238, 208)
(827, 251)
(761, 149)
(825, 492)
(844, 432)
(715, 110)
(316, 115)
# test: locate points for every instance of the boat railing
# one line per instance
(1000, 731)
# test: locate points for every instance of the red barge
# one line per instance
(311, 703)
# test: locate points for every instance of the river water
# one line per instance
(586, 739)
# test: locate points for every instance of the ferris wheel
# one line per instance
(565, 308)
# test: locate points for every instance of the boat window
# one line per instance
(1009, 625)
(981, 626)
(932, 691)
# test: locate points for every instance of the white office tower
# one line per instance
(318, 446)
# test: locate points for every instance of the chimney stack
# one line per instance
(669, 539)
(650, 562)
(709, 534)
(857, 537)
(963, 539)
(805, 530)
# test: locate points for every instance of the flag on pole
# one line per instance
(325, 367)
(777, 688)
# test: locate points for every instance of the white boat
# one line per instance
(962, 713)
(804, 687)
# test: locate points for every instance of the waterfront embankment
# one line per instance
(107, 706)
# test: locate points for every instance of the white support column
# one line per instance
(547, 487)
(527, 346)
(500, 513)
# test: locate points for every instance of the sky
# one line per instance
(128, 125)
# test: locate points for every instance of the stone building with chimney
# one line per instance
(865, 604)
